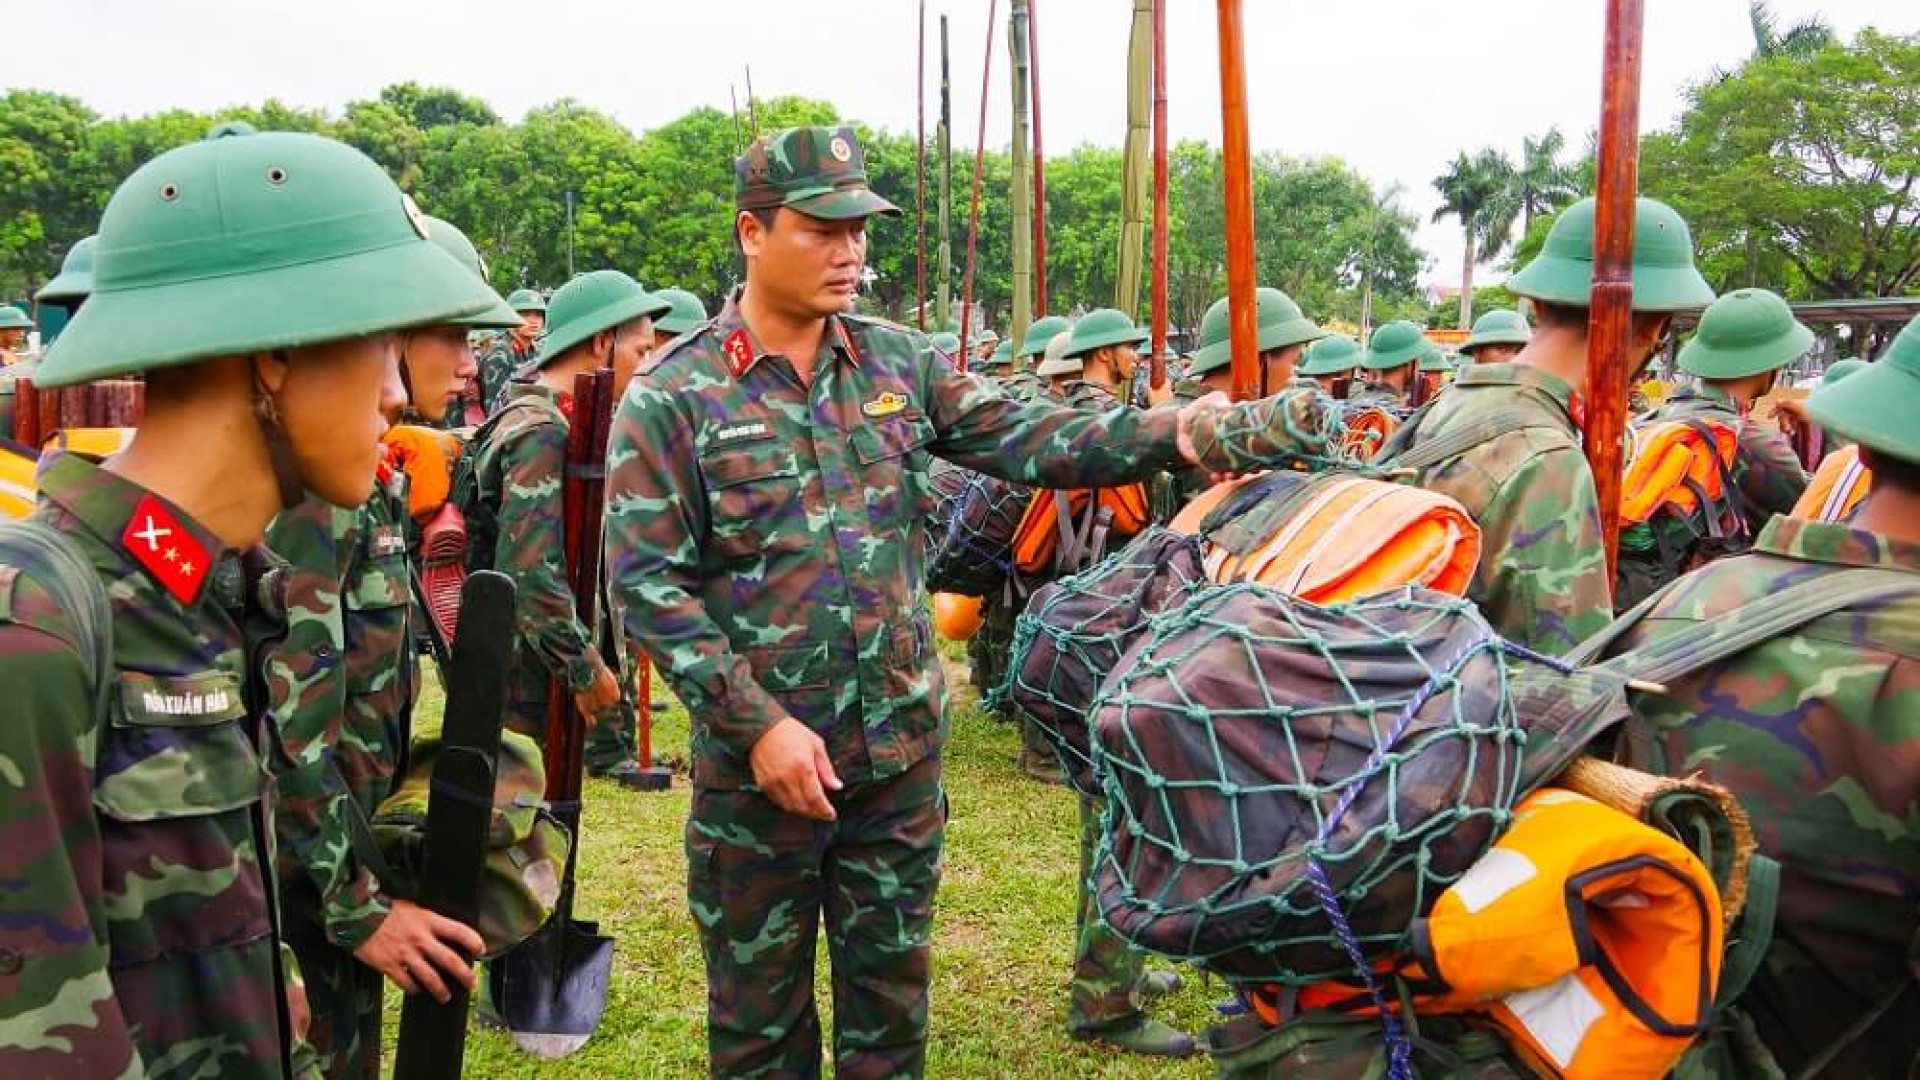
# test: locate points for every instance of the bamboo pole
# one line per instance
(1039, 163)
(920, 175)
(943, 266)
(1610, 315)
(1135, 169)
(979, 171)
(1237, 178)
(1021, 192)
(1158, 366)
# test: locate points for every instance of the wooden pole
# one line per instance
(1039, 163)
(1020, 191)
(1237, 176)
(979, 171)
(1610, 325)
(943, 267)
(920, 176)
(1158, 366)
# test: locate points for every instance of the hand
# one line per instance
(601, 694)
(415, 948)
(790, 764)
(1191, 411)
(1790, 414)
(299, 1013)
(1162, 396)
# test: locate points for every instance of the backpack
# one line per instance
(973, 554)
(1064, 532)
(1679, 506)
(480, 514)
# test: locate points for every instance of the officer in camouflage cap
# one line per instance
(500, 354)
(344, 727)
(984, 348)
(767, 491)
(1817, 731)
(241, 276)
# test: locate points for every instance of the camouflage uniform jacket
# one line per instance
(349, 666)
(138, 928)
(519, 465)
(1818, 733)
(764, 535)
(1765, 468)
(499, 355)
(1025, 385)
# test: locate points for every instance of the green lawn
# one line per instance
(1002, 949)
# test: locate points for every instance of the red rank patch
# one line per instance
(156, 540)
(739, 352)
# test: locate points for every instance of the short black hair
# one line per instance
(765, 215)
(1892, 472)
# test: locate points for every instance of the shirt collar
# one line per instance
(1835, 543)
(742, 350)
(173, 549)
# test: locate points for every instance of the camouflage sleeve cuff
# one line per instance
(350, 930)
(581, 671)
(1293, 427)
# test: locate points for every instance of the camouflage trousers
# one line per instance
(1107, 970)
(343, 995)
(988, 651)
(759, 882)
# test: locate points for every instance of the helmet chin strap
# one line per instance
(286, 473)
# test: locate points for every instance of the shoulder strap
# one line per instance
(1425, 453)
(76, 588)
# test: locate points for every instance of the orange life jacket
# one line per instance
(1367, 429)
(1590, 939)
(427, 455)
(1838, 485)
(1037, 538)
(1352, 536)
(1672, 464)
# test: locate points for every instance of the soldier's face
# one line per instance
(335, 401)
(12, 337)
(531, 323)
(808, 265)
(1278, 365)
(632, 343)
(439, 361)
(1126, 360)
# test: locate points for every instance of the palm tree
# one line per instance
(1542, 185)
(1800, 39)
(1477, 190)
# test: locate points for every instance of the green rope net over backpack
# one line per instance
(1289, 786)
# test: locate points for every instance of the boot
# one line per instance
(1144, 1036)
(625, 773)
(1160, 983)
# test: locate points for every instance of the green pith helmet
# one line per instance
(1396, 343)
(1102, 327)
(1874, 406)
(946, 342)
(1840, 369)
(1056, 361)
(1664, 278)
(987, 337)
(12, 318)
(685, 311)
(250, 242)
(1002, 355)
(1335, 354)
(455, 243)
(1743, 333)
(1278, 320)
(1435, 358)
(75, 279)
(595, 301)
(818, 171)
(1501, 326)
(1039, 332)
(527, 300)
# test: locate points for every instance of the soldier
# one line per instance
(947, 342)
(1391, 364)
(14, 325)
(512, 491)
(138, 598)
(1498, 336)
(1057, 369)
(685, 311)
(984, 349)
(1817, 733)
(1027, 381)
(1745, 338)
(344, 728)
(1330, 363)
(767, 492)
(1542, 579)
(1283, 334)
(499, 354)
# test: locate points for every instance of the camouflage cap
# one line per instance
(817, 171)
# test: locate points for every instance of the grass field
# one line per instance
(1002, 949)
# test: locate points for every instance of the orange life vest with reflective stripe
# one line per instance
(1838, 485)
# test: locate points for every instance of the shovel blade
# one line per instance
(552, 989)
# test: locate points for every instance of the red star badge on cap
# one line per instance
(156, 540)
(739, 352)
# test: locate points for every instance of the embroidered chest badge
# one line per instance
(885, 405)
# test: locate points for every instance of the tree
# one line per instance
(1475, 191)
(45, 203)
(1541, 184)
(1801, 171)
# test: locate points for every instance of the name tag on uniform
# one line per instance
(210, 697)
(885, 405)
(746, 432)
(388, 541)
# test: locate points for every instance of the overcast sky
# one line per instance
(1394, 87)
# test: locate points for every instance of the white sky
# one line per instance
(1394, 87)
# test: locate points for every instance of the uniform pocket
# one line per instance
(753, 499)
(176, 750)
(893, 453)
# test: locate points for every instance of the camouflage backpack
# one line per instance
(478, 457)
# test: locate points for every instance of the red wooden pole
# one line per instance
(1237, 170)
(979, 170)
(1039, 165)
(920, 175)
(1610, 325)
(1158, 365)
